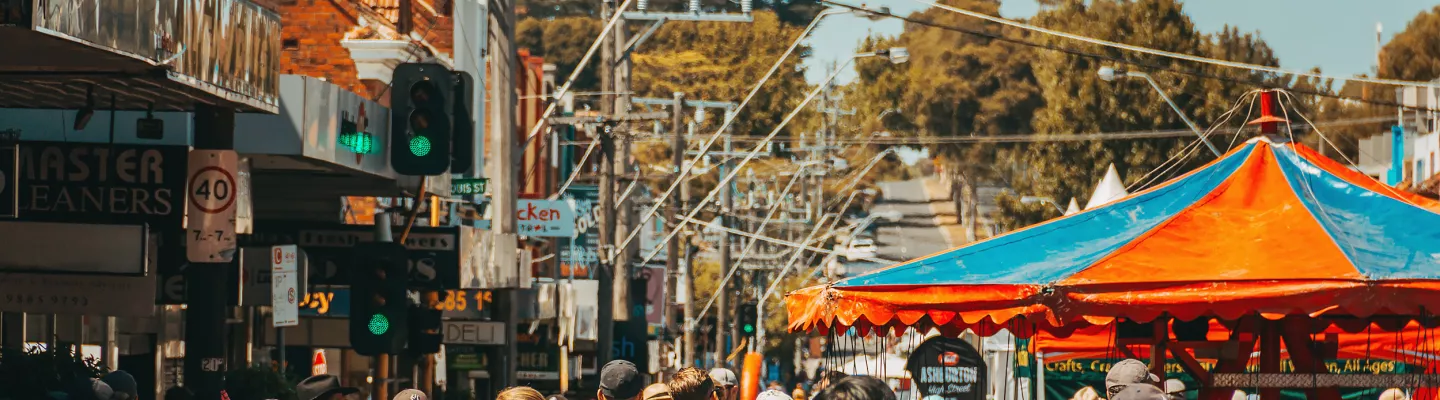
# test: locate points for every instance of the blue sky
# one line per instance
(1336, 35)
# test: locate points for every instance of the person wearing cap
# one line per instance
(773, 394)
(692, 383)
(411, 394)
(1140, 392)
(1174, 389)
(657, 391)
(1125, 373)
(727, 385)
(620, 380)
(322, 387)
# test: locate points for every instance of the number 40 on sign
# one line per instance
(210, 206)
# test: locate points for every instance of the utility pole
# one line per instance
(606, 275)
(672, 248)
(205, 330)
(620, 86)
(727, 202)
(686, 281)
(504, 175)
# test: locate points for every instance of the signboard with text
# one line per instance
(284, 285)
(545, 218)
(580, 255)
(101, 183)
(947, 368)
(326, 302)
(211, 196)
(434, 252)
(473, 332)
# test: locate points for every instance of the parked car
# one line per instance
(860, 248)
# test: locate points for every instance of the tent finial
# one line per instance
(1268, 121)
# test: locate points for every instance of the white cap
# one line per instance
(773, 395)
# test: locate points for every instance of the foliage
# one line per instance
(562, 41)
(1414, 54)
(721, 61)
(32, 373)
(259, 382)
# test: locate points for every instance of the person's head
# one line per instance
(410, 394)
(1125, 373)
(123, 384)
(1140, 392)
(727, 385)
(798, 394)
(691, 383)
(657, 391)
(519, 393)
(773, 395)
(1393, 394)
(179, 393)
(620, 380)
(825, 379)
(857, 388)
(1086, 393)
(322, 387)
(556, 397)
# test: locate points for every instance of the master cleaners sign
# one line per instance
(945, 368)
(102, 183)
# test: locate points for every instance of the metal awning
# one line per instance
(165, 55)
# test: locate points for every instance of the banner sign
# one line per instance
(101, 183)
(580, 255)
(948, 369)
(434, 252)
(1063, 379)
(545, 218)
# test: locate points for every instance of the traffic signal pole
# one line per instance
(205, 330)
(379, 386)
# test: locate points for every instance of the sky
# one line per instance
(1336, 35)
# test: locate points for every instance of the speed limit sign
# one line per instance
(211, 193)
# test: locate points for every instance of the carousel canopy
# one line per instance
(1272, 228)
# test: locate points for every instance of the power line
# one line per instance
(1163, 53)
(1126, 61)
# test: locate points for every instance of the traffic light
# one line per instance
(420, 127)
(379, 307)
(425, 324)
(746, 319)
(462, 151)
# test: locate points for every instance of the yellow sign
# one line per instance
(465, 300)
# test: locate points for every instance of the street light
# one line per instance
(1109, 74)
(1041, 200)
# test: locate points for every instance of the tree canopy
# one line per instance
(1414, 53)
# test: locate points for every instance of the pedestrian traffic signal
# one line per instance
(379, 307)
(747, 315)
(425, 323)
(462, 149)
(420, 121)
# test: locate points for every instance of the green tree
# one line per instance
(562, 41)
(1077, 101)
(1414, 53)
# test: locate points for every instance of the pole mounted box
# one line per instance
(421, 97)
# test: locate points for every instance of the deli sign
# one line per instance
(102, 183)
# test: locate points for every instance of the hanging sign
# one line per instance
(210, 206)
(545, 218)
(947, 369)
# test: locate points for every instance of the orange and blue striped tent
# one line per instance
(1271, 228)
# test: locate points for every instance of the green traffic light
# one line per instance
(379, 324)
(419, 145)
(749, 328)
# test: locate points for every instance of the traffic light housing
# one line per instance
(462, 150)
(746, 319)
(379, 306)
(420, 121)
(425, 323)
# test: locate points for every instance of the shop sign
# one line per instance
(434, 252)
(101, 183)
(538, 359)
(77, 294)
(545, 218)
(329, 302)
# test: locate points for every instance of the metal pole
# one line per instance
(726, 207)
(379, 384)
(1189, 123)
(1039, 374)
(206, 335)
(672, 249)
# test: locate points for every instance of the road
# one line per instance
(915, 235)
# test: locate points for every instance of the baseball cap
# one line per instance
(772, 395)
(1125, 373)
(620, 380)
(1139, 392)
(411, 394)
(724, 377)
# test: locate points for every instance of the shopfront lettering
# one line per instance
(100, 182)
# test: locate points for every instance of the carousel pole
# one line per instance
(1269, 330)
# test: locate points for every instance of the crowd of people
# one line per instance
(622, 380)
